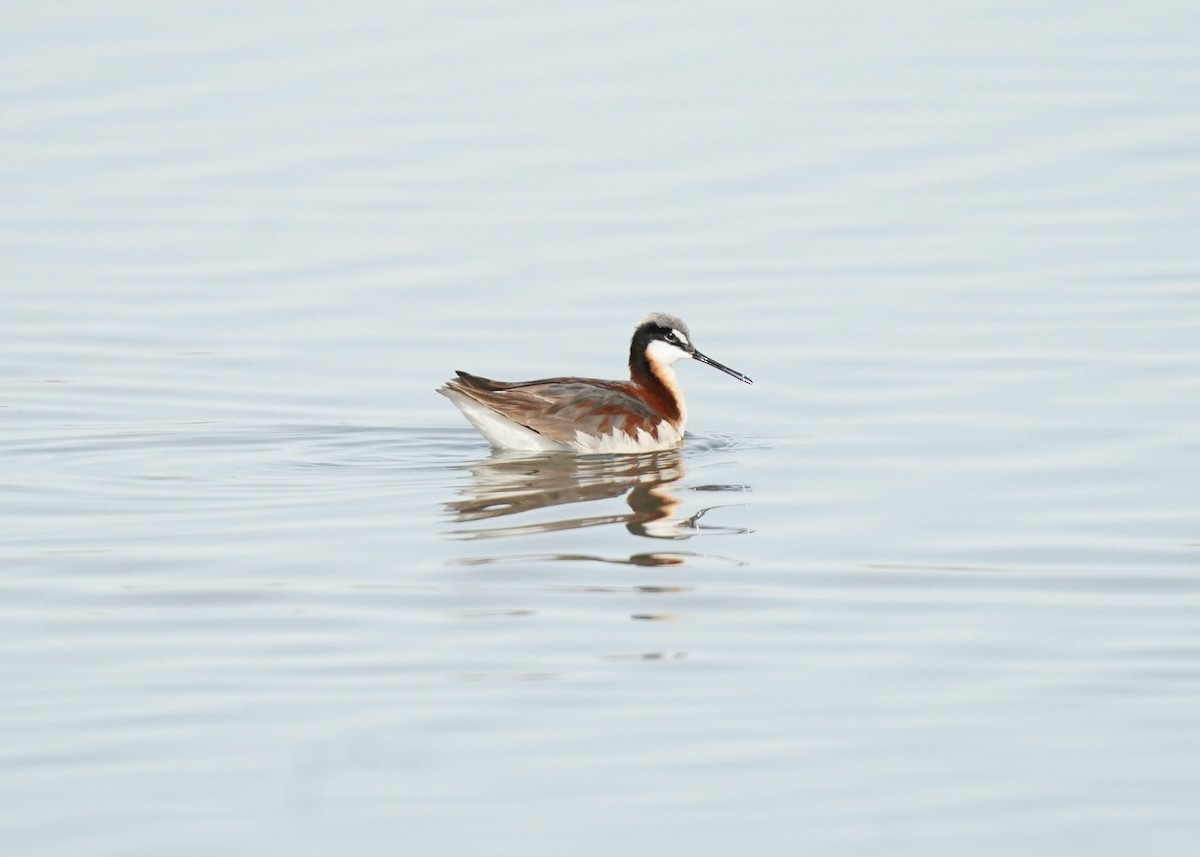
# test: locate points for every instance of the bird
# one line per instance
(586, 415)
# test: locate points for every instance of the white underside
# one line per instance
(503, 433)
(618, 441)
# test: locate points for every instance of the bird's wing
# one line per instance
(557, 408)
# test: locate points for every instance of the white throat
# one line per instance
(664, 354)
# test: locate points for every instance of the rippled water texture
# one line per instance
(930, 587)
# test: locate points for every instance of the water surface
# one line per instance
(931, 586)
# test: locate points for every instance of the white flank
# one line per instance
(618, 441)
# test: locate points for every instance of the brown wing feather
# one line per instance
(477, 382)
(558, 407)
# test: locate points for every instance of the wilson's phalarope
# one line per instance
(643, 414)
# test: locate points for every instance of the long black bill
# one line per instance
(713, 363)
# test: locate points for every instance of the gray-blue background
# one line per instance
(945, 598)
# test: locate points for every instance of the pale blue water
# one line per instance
(930, 587)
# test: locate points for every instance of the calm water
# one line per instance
(930, 587)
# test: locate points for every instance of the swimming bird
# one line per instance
(587, 415)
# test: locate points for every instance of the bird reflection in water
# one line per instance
(504, 485)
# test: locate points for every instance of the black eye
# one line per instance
(671, 337)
